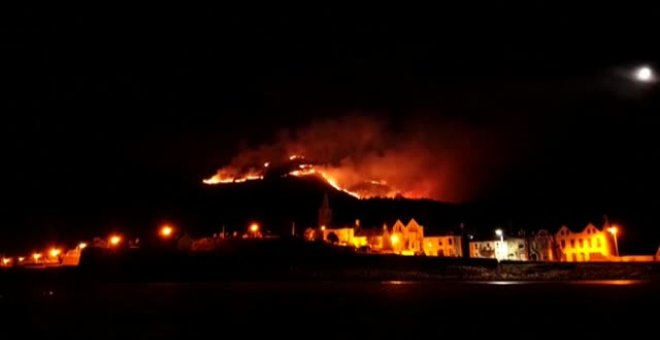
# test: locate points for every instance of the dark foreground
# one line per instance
(390, 309)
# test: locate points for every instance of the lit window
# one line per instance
(450, 241)
(572, 243)
(588, 243)
(563, 243)
(598, 242)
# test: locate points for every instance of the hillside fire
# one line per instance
(368, 157)
(298, 166)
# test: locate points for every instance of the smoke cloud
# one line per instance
(449, 161)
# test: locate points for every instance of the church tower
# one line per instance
(325, 214)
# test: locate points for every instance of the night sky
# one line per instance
(110, 111)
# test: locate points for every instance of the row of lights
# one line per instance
(165, 232)
(114, 240)
(37, 256)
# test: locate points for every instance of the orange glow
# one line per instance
(254, 227)
(368, 188)
(223, 177)
(322, 227)
(613, 230)
(54, 252)
(394, 239)
(115, 240)
(36, 256)
(5, 261)
(82, 245)
(21, 259)
(166, 231)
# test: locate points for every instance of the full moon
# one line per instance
(644, 74)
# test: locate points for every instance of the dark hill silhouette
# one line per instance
(279, 202)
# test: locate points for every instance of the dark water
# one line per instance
(403, 310)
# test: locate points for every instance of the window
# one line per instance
(572, 243)
(449, 241)
(598, 242)
(588, 243)
(440, 243)
(563, 244)
(581, 243)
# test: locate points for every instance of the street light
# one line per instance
(36, 257)
(114, 240)
(54, 252)
(166, 231)
(500, 233)
(82, 245)
(254, 228)
(614, 230)
(5, 261)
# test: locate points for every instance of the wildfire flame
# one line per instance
(228, 175)
(449, 161)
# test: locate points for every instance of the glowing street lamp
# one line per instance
(394, 239)
(500, 233)
(54, 252)
(21, 259)
(614, 230)
(5, 261)
(82, 245)
(36, 257)
(115, 240)
(254, 228)
(166, 231)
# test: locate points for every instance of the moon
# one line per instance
(644, 74)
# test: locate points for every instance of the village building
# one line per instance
(511, 249)
(592, 244)
(443, 246)
(542, 247)
(407, 239)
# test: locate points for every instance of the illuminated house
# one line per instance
(402, 239)
(407, 239)
(512, 249)
(542, 247)
(443, 246)
(343, 237)
(591, 244)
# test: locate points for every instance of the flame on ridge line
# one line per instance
(302, 170)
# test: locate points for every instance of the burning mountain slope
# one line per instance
(298, 166)
(366, 158)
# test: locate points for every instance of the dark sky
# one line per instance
(105, 110)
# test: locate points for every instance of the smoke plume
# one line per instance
(447, 161)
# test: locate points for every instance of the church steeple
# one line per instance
(325, 213)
